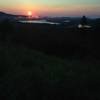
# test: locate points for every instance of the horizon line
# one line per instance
(88, 16)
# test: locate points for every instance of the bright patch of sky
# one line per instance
(53, 7)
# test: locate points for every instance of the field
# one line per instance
(49, 62)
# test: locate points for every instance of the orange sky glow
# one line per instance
(52, 8)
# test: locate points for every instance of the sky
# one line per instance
(52, 7)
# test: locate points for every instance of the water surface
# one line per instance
(38, 21)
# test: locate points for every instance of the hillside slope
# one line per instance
(26, 74)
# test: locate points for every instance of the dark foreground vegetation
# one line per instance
(29, 72)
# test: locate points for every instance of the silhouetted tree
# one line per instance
(83, 20)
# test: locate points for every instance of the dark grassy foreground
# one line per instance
(29, 75)
(28, 72)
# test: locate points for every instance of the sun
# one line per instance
(29, 13)
(32, 14)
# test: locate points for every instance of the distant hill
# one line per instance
(4, 15)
